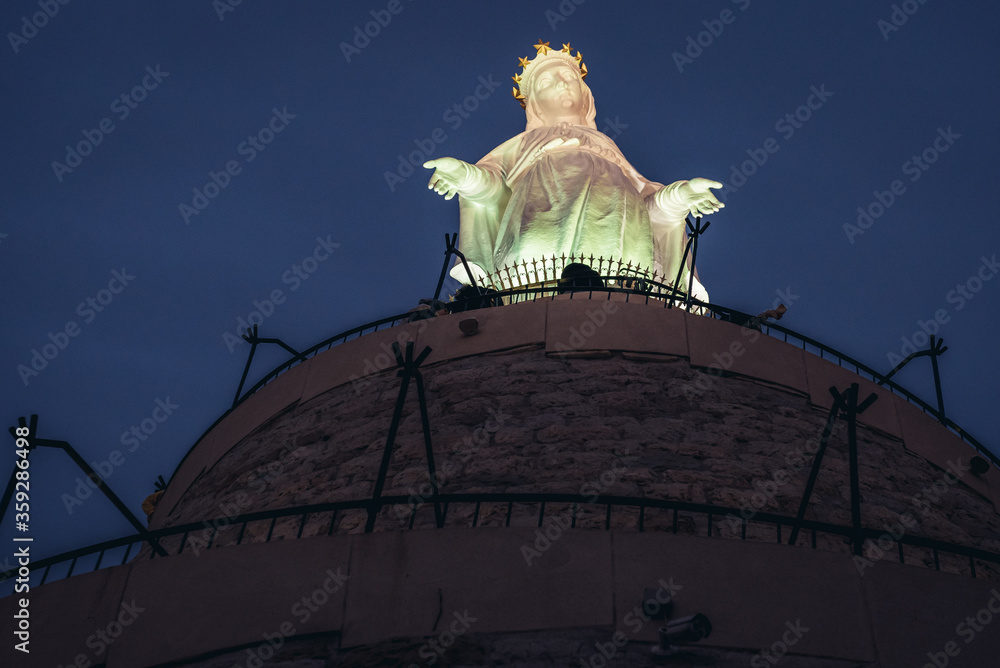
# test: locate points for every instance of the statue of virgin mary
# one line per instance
(563, 188)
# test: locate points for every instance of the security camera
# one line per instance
(681, 632)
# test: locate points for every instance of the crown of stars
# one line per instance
(545, 52)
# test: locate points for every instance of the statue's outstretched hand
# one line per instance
(698, 197)
(449, 173)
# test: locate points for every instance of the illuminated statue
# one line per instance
(564, 188)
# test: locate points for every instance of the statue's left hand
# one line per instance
(699, 198)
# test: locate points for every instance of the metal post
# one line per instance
(838, 403)
(451, 249)
(246, 369)
(697, 231)
(937, 349)
(680, 270)
(407, 369)
(376, 504)
(852, 449)
(847, 402)
(431, 471)
(251, 337)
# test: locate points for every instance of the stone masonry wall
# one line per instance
(526, 422)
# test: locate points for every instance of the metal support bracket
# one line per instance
(937, 348)
(695, 230)
(449, 250)
(845, 404)
(251, 337)
(35, 442)
(409, 368)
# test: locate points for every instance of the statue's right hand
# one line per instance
(449, 173)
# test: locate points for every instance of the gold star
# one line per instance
(578, 57)
(566, 48)
(523, 62)
(542, 48)
(583, 70)
(517, 79)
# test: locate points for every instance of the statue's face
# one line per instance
(556, 91)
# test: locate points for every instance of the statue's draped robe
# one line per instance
(567, 190)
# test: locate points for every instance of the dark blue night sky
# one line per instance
(169, 168)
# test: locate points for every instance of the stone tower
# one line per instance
(603, 463)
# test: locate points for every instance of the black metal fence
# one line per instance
(604, 512)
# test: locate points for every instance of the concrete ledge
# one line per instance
(425, 583)
(357, 358)
(499, 329)
(581, 325)
(925, 436)
(231, 597)
(410, 579)
(916, 612)
(722, 345)
(65, 618)
(822, 375)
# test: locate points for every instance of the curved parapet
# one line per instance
(588, 453)
(711, 408)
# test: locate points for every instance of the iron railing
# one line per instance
(399, 512)
(650, 293)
